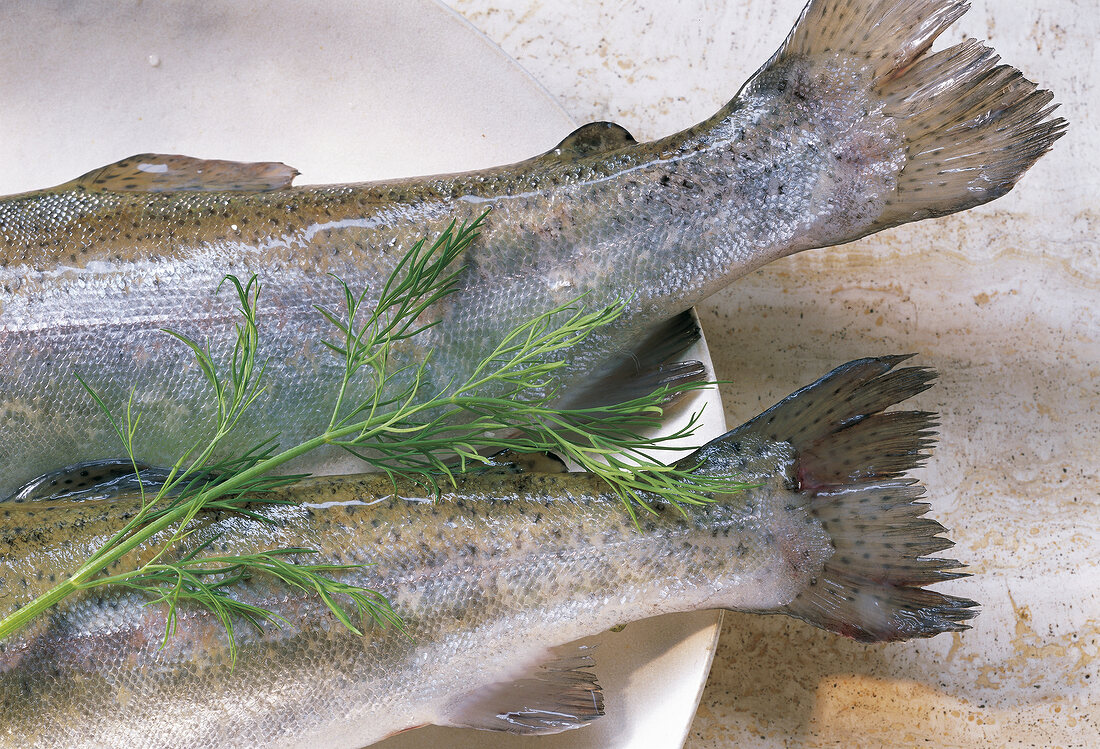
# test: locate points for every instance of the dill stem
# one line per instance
(24, 614)
(113, 552)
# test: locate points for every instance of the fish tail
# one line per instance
(850, 465)
(969, 126)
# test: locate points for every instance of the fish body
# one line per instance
(493, 581)
(851, 128)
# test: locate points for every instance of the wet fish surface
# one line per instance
(852, 127)
(494, 581)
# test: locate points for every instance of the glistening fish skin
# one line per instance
(851, 128)
(492, 580)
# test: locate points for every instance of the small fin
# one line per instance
(849, 464)
(971, 127)
(510, 461)
(591, 139)
(97, 479)
(645, 368)
(154, 172)
(559, 694)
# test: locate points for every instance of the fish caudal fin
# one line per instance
(872, 587)
(970, 127)
(850, 461)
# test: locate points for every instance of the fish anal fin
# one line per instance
(593, 138)
(155, 172)
(96, 479)
(558, 694)
(647, 366)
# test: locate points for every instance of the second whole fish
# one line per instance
(852, 127)
(494, 580)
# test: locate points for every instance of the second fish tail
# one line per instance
(846, 477)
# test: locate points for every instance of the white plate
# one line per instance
(344, 91)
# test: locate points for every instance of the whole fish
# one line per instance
(493, 581)
(852, 127)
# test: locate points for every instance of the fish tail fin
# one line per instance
(850, 461)
(972, 128)
(872, 588)
(969, 127)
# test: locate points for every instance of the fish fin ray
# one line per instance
(644, 368)
(849, 460)
(971, 128)
(590, 140)
(558, 694)
(872, 587)
(96, 479)
(154, 172)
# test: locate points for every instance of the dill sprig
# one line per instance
(401, 427)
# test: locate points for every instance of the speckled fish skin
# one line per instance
(850, 129)
(487, 579)
(460, 571)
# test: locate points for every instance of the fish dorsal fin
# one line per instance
(96, 479)
(558, 694)
(590, 139)
(155, 172)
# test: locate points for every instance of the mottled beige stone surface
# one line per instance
(1002, 300)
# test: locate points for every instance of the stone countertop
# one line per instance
(1001, 300)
